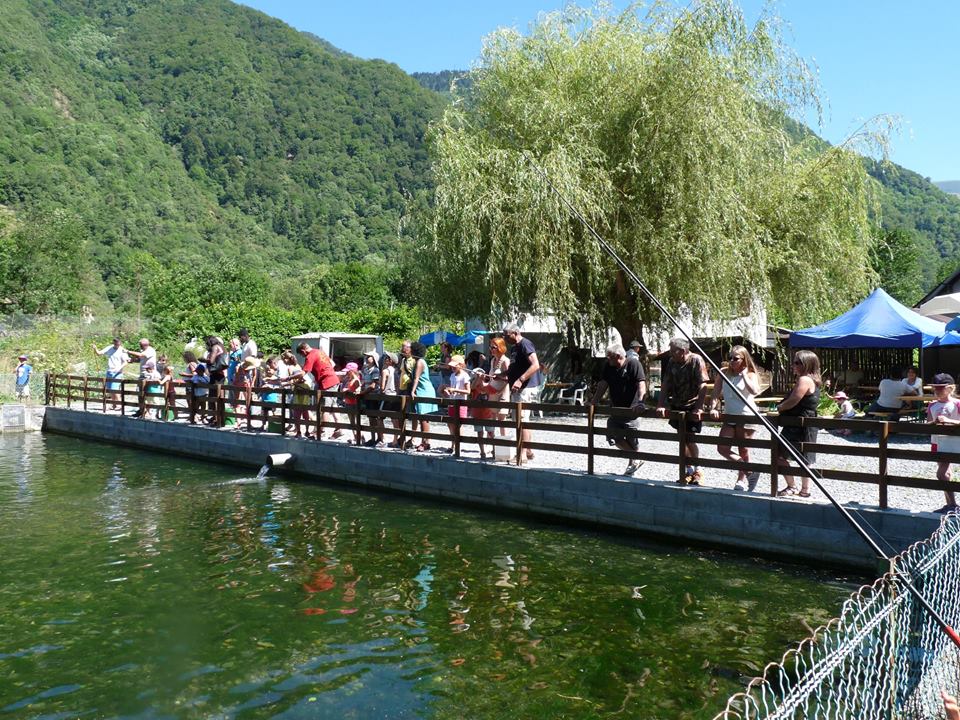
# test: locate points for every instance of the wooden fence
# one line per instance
(297, 412)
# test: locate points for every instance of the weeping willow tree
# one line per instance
(667, 129)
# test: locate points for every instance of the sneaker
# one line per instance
(740, 485)
(632, 467)
(372, 442)
(945, 509)
(696, 479)
(752, 480)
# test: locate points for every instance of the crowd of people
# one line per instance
(510, 373)
(239, 373)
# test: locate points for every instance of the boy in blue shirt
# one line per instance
(22, 374)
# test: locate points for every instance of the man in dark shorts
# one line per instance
(683, 389)
(523, 375)
(628, 385)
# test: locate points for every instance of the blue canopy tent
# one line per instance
(437, 337)
(877, 322)
(470, 337)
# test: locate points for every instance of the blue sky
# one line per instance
(874, 56)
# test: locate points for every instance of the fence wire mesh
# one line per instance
(883, 657)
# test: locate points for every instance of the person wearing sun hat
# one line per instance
(21, 375)
(458, 389)
(846, 411)
(945, 410)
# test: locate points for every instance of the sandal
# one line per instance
(529, 454)
(803, 494)
(423, 447)
(787, 492)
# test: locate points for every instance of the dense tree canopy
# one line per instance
(667, 132)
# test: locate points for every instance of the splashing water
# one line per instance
(263, 472)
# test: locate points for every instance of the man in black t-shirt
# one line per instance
(628, 386)
(523, 375)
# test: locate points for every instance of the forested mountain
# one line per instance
(199, 129)
(137, 135)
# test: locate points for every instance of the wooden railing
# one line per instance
(296, 412)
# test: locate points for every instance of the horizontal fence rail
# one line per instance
(883, 657)
(294, 411)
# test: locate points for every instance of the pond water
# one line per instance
(138, 585)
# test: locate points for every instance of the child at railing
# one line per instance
(478, 392)
(846, 411)
(945, 410)
(269, 390)
(199, 392)
(152, 395)
(458, 389)
(350, 385)
(169, 392)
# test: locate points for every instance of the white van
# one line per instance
(341, 347)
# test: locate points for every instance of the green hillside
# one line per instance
(138, 138)
(197, 130)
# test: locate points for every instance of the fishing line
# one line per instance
(784, 445)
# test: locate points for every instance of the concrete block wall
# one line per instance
(810, 532)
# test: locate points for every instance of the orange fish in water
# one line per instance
(314, 611)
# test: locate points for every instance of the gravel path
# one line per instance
(846, 492)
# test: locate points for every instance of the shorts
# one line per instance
(454, 411)
(622, 423)
(693, 426)
(22, 392)
(525, 396)
(113, 385)
(328, 401)
(390, 405)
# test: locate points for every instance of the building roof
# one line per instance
(943, 288)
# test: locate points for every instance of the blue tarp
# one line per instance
(877, 322)
(470, 337)
(439, 336)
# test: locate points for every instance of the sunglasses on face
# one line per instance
(797, 362)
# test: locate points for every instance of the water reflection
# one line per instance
(156, 587)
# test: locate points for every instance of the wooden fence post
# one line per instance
(283, 410)
(103, 393)
(457, 426)
(49, 398)
(682, 435)
(774, 462)
(591, 412)
(884, 437)
(85, 390)
(402, 437)
(69, 388)
(519, 429)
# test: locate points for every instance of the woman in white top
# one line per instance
(742, 373)
(497, 389)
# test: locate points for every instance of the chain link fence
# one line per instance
(882, 658)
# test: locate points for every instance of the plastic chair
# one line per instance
(572, 395)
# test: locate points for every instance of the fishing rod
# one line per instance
(792, 452)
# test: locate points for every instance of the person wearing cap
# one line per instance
(945, 410)
(21, 376)
(457, 389)
(117, 359)
(370, 383)
(633, 352)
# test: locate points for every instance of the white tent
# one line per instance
(941, 305)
